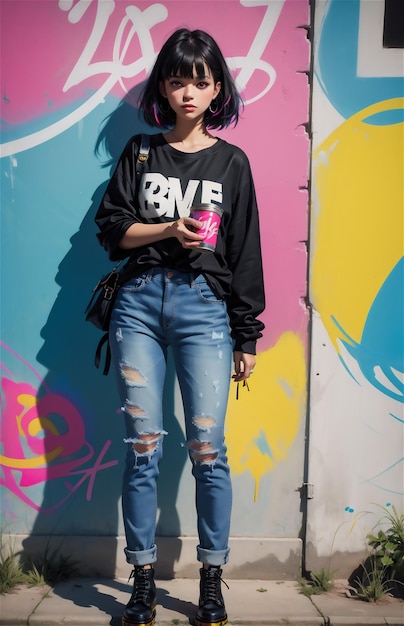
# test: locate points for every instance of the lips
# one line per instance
(188, 107)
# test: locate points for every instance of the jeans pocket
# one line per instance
(136, 283)
(205, 293)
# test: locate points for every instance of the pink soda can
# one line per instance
(210, 216)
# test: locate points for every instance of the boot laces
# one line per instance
(211, 588)
(142, 585)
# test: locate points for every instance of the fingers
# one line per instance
(243, 366)
(191, 224)
(186, 235)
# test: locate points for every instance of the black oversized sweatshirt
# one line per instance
(173, 181)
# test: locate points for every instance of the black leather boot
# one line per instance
(211, 611)
(141, 608)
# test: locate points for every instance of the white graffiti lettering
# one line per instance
(138, 23)
(253, 59)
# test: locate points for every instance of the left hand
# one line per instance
(243, 365)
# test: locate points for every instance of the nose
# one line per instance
(188, 92)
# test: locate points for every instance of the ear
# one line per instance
(162, 89)
(218, 87)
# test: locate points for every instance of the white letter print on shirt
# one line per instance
(161, 197)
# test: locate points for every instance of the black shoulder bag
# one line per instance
(99, 309)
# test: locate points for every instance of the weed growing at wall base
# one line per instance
(388, 545)
(49, 570)
(319, 582)
(373, 585)
(54, 567)
(382, 572)
(11, 573)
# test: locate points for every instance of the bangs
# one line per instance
(190, 55)
(184, 63)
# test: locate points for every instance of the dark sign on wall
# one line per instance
(393, 31)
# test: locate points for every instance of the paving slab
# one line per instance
(16, 606)
(84, 602)
(342, 610)
(87, 602)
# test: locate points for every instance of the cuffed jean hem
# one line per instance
(213, 557)
(141, 557)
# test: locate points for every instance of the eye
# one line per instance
(174, 83)
(203, 84)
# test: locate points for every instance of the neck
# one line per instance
(190, 138)
(184, 130)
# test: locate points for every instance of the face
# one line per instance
(190, 97)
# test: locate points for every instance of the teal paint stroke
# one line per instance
(381, 348)
(336, 63)
(263, 445)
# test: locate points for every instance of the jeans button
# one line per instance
(170, 274)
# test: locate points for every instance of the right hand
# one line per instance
(184, 230)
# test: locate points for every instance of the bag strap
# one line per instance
(97, 360)
(143, 155)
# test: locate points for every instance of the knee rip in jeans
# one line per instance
(145, 444)
(204, 422)
(134, 410)
(202, 452)
(132, 376)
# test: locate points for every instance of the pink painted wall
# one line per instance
(70, 65)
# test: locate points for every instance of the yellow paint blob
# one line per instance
(27, 400)
(42, 460)
(41, 424)
(263, 423)
(357, 235)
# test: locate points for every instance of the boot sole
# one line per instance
(221, 622)
(148, 623)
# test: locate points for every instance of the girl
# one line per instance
(202, 305)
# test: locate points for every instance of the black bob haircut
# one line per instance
(183, 53)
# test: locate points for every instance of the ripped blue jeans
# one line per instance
(160, 309)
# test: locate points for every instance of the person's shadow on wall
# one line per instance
(83, 439)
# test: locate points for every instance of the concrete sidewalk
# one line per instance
(86, 602)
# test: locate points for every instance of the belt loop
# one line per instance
(149, 275)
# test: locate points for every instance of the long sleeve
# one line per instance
(118, 210)
(243, 253)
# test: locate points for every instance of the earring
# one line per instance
(216, 108)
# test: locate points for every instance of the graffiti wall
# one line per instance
(356, 280)
(72, 71)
